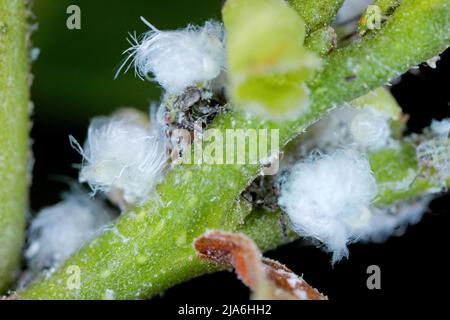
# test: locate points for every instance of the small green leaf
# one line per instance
(268, 64)
(382, 100)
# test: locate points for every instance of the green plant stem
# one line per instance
(150, 249)
(386, 5)
(317, 14)
(14, 102)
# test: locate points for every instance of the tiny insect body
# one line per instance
(434, 155)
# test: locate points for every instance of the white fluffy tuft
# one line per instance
(179, 59)
(394, 220)
(441, 129)
(122, 155)
(370, 129)
(59, 230)
(327, 197)
(361, 128)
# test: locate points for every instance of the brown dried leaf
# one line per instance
(234, 250)
(268, 279)
(287, 280)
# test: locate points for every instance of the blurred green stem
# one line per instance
(386, 5)
(150, 249)
(14, 104)
(317, 14)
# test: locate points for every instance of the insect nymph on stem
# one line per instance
(433, 155)
(434, 158)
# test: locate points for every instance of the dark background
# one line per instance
(74, 81)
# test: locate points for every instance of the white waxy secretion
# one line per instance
(178, 58)
(327, 198)
(122, 155)
(59, 230)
